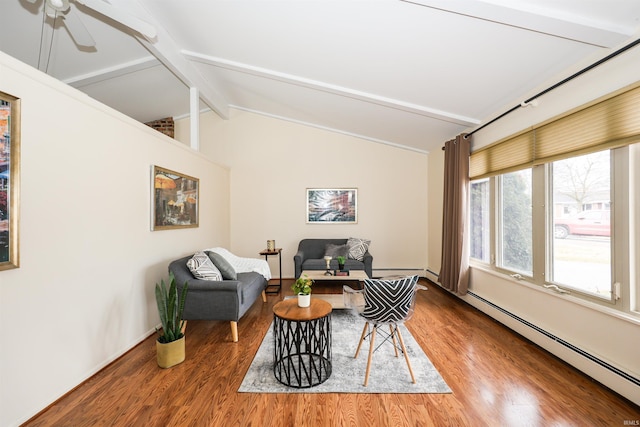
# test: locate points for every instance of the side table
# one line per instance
(266, 253)
(302, 347)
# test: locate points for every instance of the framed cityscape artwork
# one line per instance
(175, 200)
(9, 180)
(332, 205)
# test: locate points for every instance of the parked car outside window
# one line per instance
(588, 223)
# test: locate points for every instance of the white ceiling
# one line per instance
(411, 74)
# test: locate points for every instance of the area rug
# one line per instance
(389, 374)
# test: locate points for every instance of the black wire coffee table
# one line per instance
(302, 350)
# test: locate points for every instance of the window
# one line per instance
(578, 239)
(580, 251)
(564, 203)
(480, 221)
(515, 239)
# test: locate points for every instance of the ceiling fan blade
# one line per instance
(77, 30)
(136, 24)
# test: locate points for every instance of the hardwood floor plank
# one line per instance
(496, 377)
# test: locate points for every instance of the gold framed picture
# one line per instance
(9, 181)
(175, 200)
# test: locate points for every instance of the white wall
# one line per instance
(606, 334)
(83, 294)
(273, 162)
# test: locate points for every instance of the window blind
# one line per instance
(603, 124)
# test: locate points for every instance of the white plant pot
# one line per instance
(304, 300)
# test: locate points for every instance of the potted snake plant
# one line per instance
(170, 345)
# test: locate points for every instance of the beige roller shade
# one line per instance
(604, 124)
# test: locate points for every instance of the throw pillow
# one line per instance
(202, 268)
(227, 270)
(389, 300)
(336, 250)
(357, 248)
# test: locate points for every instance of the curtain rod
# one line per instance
(549, 89)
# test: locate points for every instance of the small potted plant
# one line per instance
(302, 288)
(341, 261)
(170, 346)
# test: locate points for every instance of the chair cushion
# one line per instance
(203, 268)
(358, 247)
(389, 301)
(227, 270)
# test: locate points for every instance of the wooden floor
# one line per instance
(497, 379)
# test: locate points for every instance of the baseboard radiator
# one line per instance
(559, 340)
(384, 272)
(432, 275)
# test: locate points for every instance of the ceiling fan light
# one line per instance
(59, 5)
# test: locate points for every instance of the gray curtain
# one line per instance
(454, 268)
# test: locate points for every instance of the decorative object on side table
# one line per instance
(170, 346)
(302, 288)
(271, 245)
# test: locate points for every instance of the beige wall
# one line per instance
(83, 294)
(272, 164)
(436, 194)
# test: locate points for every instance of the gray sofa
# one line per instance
(310, 256)
(218, 300)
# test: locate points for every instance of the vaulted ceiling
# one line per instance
(408, 73)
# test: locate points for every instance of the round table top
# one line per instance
(289, 310)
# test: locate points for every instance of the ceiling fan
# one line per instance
(62, 9)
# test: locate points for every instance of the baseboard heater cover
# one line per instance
(560, 341)
(382, 272)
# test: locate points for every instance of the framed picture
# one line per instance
(9, 180)
(331, 206)
(175, 200)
